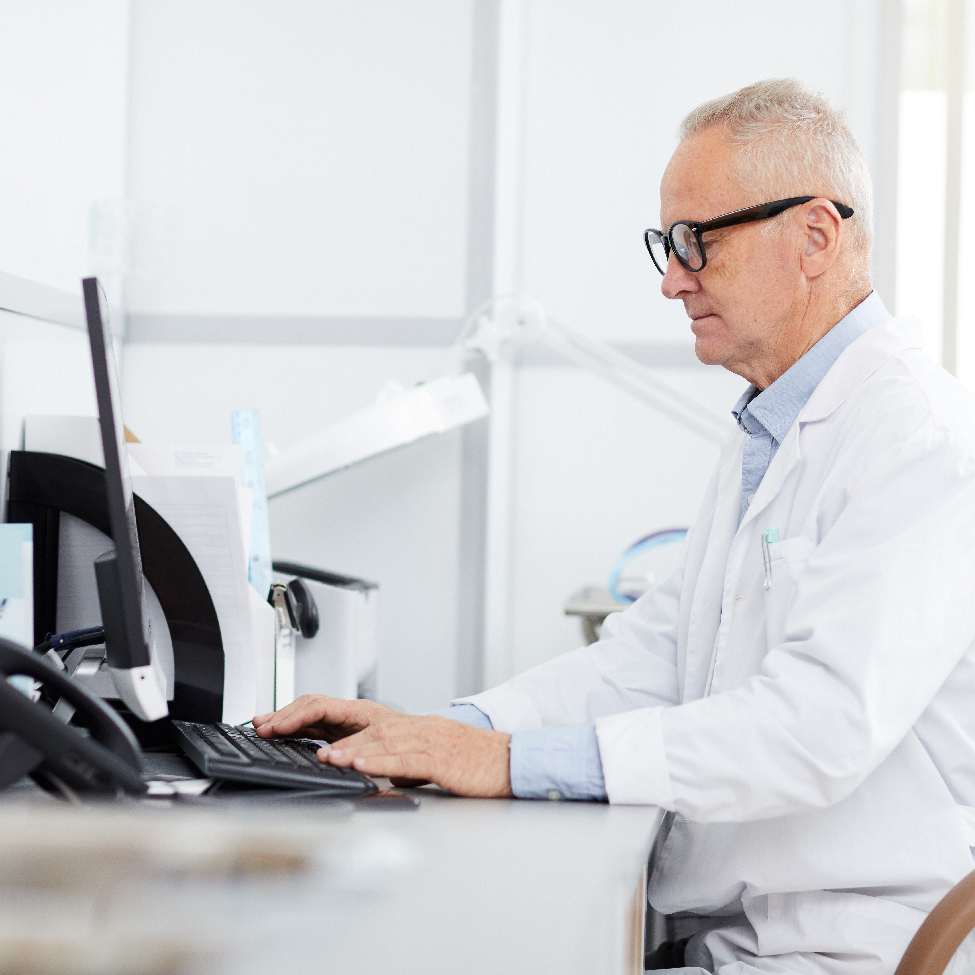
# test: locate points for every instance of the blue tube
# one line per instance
(653, 540)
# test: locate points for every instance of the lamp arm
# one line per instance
(523, 322)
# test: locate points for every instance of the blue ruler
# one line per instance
(246, 425)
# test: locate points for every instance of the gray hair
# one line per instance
(792, 142)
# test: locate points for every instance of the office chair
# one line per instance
(944, 929)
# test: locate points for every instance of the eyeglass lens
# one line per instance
(658, 250)
(686, 245)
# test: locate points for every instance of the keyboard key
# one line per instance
(245, 745)
(219, 744)
(303, 756)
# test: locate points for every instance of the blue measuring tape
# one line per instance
(246, 426)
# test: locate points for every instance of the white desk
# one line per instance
(460, 885)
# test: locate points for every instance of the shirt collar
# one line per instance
(775, 408)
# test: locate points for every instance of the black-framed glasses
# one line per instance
(686, 237)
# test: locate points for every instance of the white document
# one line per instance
(245, 503)
(204, 512)
(217, 460)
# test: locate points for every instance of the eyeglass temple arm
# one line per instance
(774, 209)
(765, 212)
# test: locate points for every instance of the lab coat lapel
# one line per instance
(728, 543)
(705, 616)
(783, 463)
(858, 362)
(854, 366)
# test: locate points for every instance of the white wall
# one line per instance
(608, 84)
(63, 84)
(595, 471)
(44, 368)
(313, 155)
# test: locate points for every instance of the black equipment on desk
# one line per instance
(35, 741)
(231, 752)
(126, 609)
(42, 489)
(102, 756)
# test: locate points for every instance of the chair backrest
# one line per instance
(944, 929)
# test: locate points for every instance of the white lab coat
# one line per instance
(821, 761)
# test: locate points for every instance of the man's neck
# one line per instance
(803, 330)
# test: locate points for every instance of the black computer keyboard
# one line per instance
(224, 751)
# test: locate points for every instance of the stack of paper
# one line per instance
(200, 493)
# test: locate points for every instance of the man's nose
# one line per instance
(678, 280)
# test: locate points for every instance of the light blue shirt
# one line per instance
(563, 762)
(767, 416)
(546, 763)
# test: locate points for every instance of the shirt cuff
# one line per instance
(468, 714)
(557, 763)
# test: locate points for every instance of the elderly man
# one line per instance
(800, 694)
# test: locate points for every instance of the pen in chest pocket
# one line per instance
(769, 536)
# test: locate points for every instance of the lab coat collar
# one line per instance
(858, 362)
(855, 364)
(777, 407)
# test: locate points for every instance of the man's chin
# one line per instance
(707, 334)
(706, 352)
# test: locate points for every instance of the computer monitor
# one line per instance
(132, 664)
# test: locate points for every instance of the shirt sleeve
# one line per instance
(548, 763)
(466, 713)
(557, 763)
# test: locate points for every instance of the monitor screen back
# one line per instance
(118, 486)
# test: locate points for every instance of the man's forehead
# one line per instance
(701, 180)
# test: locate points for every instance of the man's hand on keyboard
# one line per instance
(409, 750)
(323, 718)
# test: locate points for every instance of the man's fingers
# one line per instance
(298, 704)
(383, 739)
(399, 750)
(408, 766)
(313, 715)
(355, 746)
(309, 711)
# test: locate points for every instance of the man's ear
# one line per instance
(822, 233)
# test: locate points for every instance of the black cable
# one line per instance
(58, 642)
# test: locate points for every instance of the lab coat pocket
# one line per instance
(786, 560)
